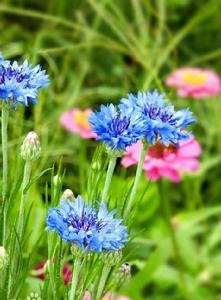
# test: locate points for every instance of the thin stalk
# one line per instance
(166, 213)
(75, 276)
(102, 282)
(5, 113)
(137, 178)
(26, 179)
(110, 170)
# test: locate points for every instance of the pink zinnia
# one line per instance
(195, 82)
(76, 121)
(164, 161)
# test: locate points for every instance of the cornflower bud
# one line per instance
(31, 148)
(111, 258)
(3, 258)
(68, 195)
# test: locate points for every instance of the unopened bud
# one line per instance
(31, 148)
(68, 195)
(125, 270)
(122, 275)
(77, 251)
(96, 166)
(56, 180)
(205, 277)
(3, 258)
(111, 258)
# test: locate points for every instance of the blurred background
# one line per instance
(96, 52)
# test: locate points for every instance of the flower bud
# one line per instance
(111, 258)
(122, 275)
(125, 270)
(57, 180)
(31, 148)
(68, 195)
(3, 258)
(77, 251)
(96, 166)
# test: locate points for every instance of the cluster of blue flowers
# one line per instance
(145, 116)
(142, 116)
(20, 83)
(86, 227)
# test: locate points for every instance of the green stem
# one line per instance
(102, 282)
(75, 276)
(137, 178)
(110, 170)
(5, 113)
(166, 213)
(26, 179)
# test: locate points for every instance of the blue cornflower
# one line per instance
(20, 83)
(162, 122)
(86, 227)
(117, 128)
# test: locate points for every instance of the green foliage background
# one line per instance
(96, 52)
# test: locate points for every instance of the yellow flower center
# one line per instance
(81, 118)
(194, 78)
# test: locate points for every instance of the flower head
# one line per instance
(86, 227)
(31, 148)
(76, 121)
(116, 127)
(20, 83)
(161, 161)
(195, 82)
(162, 122)
(3, 258)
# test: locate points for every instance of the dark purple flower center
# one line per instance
(85, 222)
(9, 73)
(154, 112)
(119, 125)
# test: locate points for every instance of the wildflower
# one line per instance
(31, 148)
(20, 83)
(76, 121)
(86, 227)
(3, 258)
(161, 161)
(116, 127)
(40, 272)
(162, 122)
(195, 82)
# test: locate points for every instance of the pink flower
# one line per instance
(195, 82)
(76, 121)
(164, 161)
(108, 296)
(87, 296)
(40, 272)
